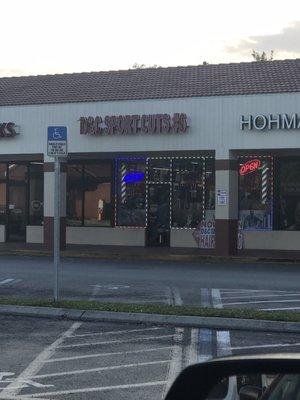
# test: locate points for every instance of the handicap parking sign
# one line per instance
(57, 141)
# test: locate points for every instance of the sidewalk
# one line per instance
(122, 252)
(144, 253)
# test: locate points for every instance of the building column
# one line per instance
(226, 228)
(49, 177)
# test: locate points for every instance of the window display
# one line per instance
(97, 194)
(36, 193)
(188, 192)
(256, 193)
(89, 194)
(289, 194)
(74, 194)
(131, 193)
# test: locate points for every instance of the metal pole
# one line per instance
(56, 230)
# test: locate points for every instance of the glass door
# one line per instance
(17, 202)
(17, 214)
(158, 227)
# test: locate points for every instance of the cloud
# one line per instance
(285, 42)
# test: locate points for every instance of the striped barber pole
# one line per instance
(264, 182)
(123, 183)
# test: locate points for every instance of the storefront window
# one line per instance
(188, 192)
(255, 193)
(74, 194)
(131, 193)
(17, 173)
(159, 170)
(209, 188)
(97, 194)
(36, 194)
(3, 172)
(289, 196)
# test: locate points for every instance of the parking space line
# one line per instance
(194, 345)
(108, 354)
(223, 343)
(216, 298)
(265, 346)
(226, 291)
(5, 281)
(205, 345)
(100, 389)
(259, 296)
(175, 362)
(39, 361)
(261, 301)
(117, 332)
(99, 369)
(69, 346)
(280, 309)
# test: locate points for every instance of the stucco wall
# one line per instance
(105, 236)
(273, 240)
(214, 124)
(34, 234)
(182, 238)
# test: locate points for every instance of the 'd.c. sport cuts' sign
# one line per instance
(132, 124)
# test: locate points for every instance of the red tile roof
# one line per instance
(154, 83)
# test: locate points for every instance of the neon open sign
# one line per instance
(250, 166)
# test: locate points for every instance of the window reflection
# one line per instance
(97, 194)
(188, 193)
(289, 199)
(131, 192)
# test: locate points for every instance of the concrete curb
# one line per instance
(176, 320)
(132, 257)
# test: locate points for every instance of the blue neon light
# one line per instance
(134, 177)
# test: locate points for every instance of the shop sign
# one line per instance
(204, 234)
(221, 197)
(7, 129)
(262, 122)
(132, 124)
(250, 166)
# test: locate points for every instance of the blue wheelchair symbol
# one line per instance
(57, 133)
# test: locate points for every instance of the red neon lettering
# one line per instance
(250, 166)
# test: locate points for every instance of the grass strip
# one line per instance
(164, 309)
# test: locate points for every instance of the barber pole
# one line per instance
(123, 183)
(264, 182)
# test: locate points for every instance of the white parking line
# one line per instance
(205, 345)
(280, 309)
(193, 350)
(223, 343)
(265, 346)
(119, 353)
(69, 346)
(175, 362)
(261, 301)
(39, 361)
(226, 291)
(100, 389)
(86, 371)
(259, 296)
(117, 332)
(5, 281)
(216, 298)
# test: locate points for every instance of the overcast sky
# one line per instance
(55, 36)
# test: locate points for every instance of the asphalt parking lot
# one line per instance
(265, 286)
(51, 359)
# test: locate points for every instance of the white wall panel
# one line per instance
(274, 240)
(105, 236)
(214, 124)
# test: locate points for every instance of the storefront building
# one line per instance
(204, 157)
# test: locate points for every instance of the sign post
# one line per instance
(56, 147)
